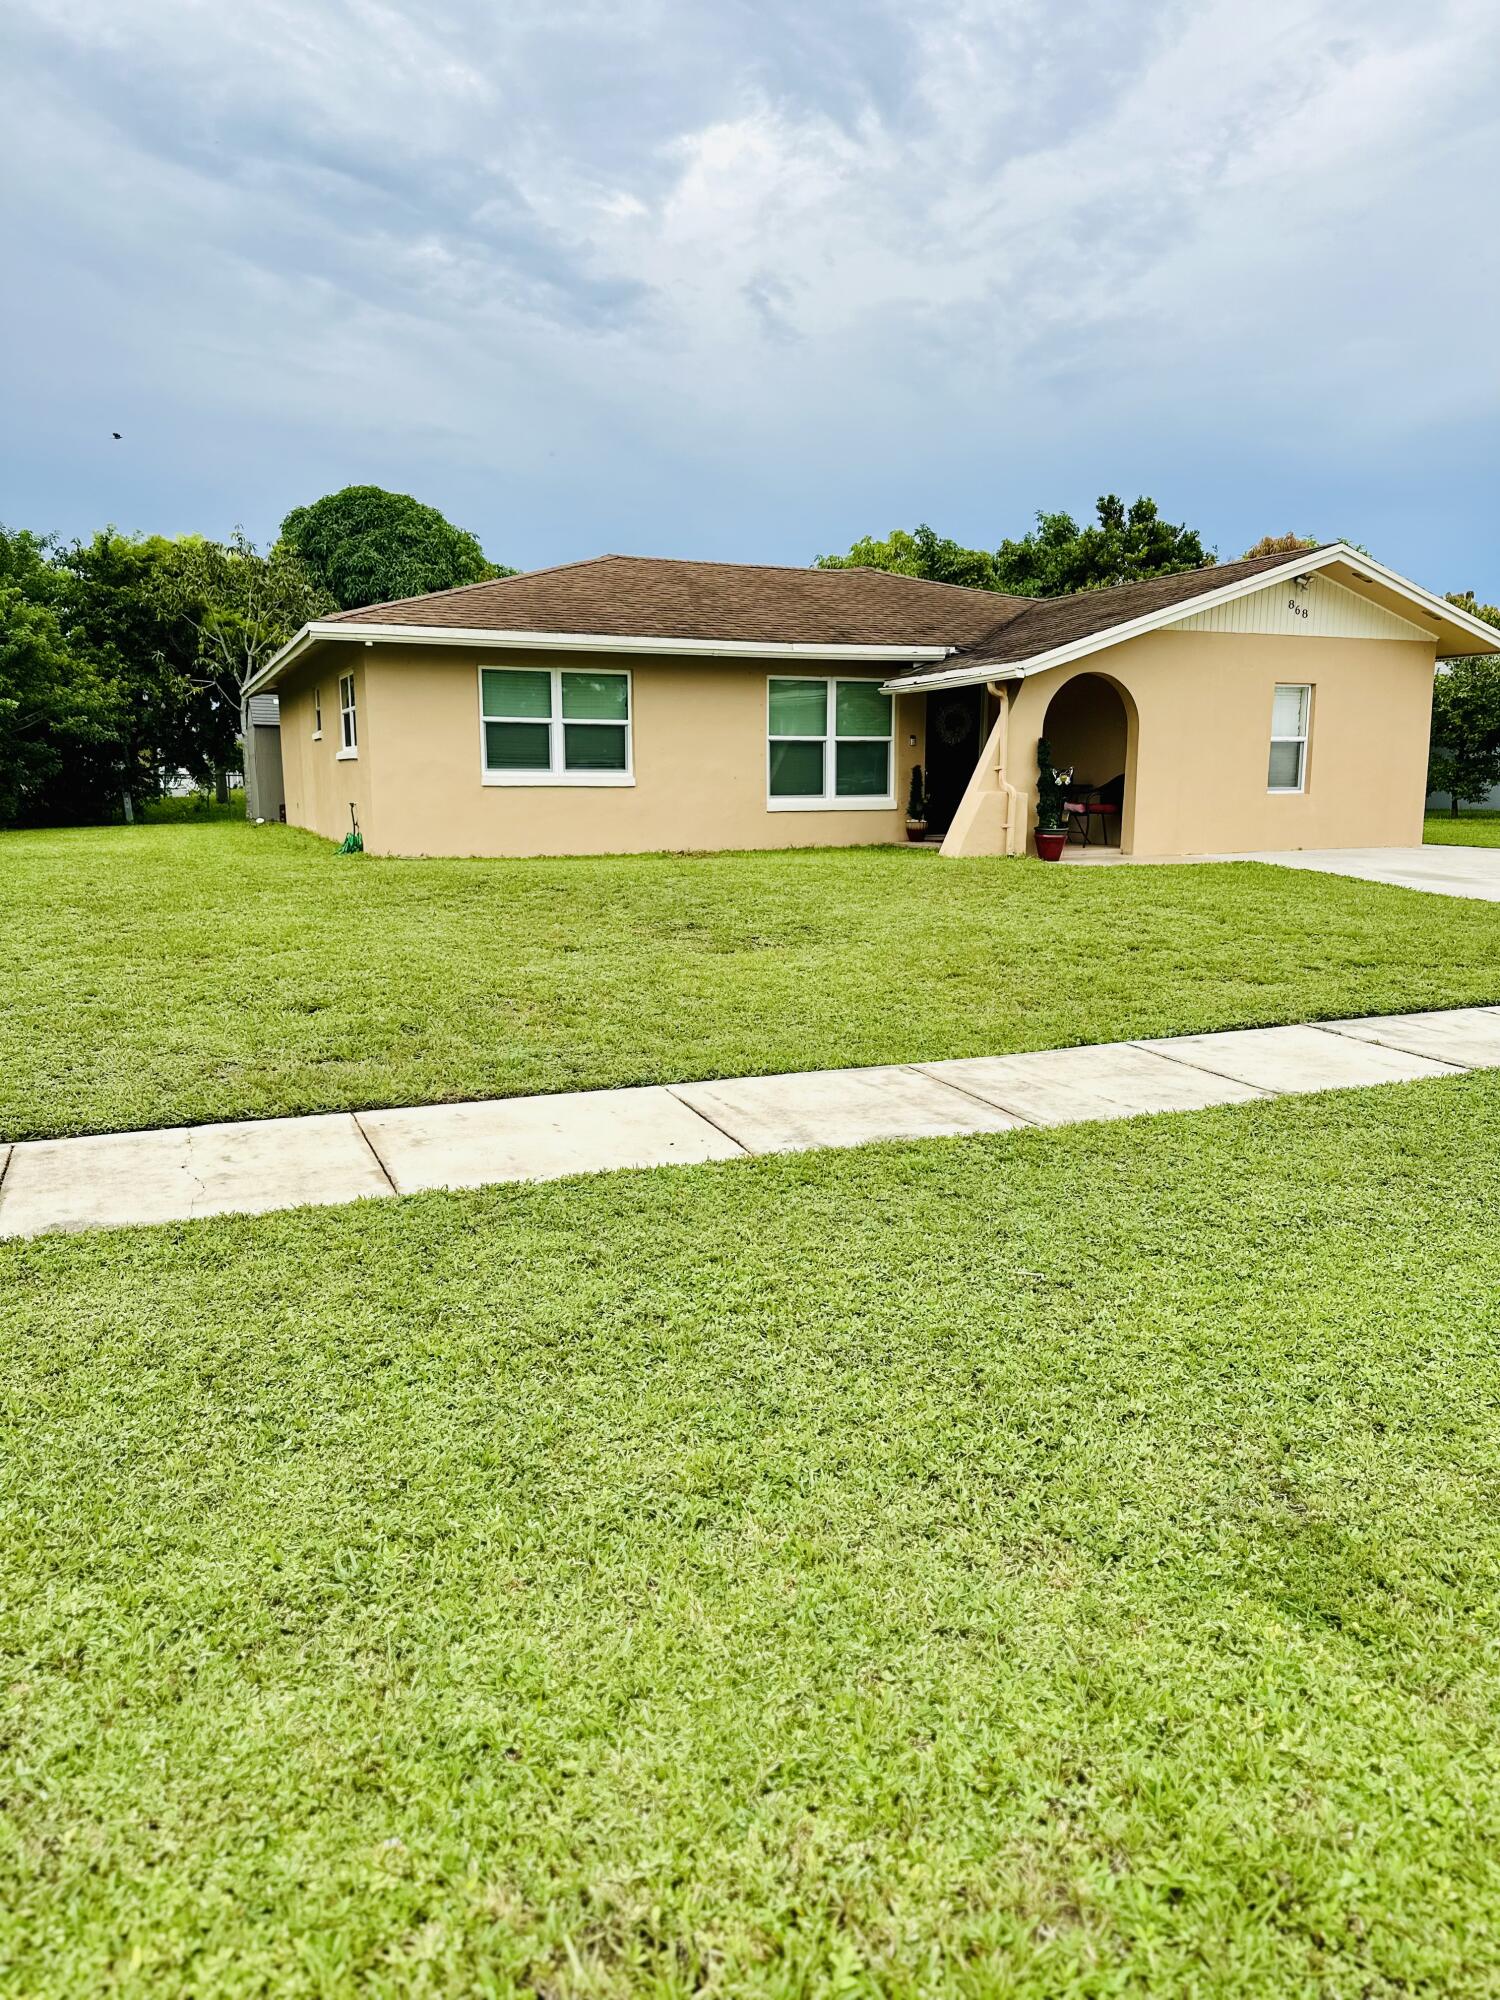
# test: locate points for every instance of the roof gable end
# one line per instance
(1064, 629)
(1304, 607)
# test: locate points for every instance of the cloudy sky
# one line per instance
(749, 279)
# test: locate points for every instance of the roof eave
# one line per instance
(350, 632)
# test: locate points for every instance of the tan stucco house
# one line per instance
(627, 703)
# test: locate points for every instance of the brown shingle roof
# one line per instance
(647, 597)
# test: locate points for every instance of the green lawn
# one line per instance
(1470, 829)
(1053, 1565)
(194, 810)
(159, 975)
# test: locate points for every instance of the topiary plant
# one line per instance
(1051, 791)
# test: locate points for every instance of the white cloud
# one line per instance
(948, 263)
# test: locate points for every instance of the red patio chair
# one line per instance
(1103, 802)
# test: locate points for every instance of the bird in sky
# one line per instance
(117, 435)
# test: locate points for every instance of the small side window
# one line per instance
(1291, 708)
(317, 715)
(348, 723)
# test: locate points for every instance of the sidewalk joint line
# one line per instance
(1365, 1041)
(1222, 1075)
(708, 1118)
(989, 1103)
(385, 1172)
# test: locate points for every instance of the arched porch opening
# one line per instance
(1091, 727)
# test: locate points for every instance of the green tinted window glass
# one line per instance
(517, 691)
(796, 770)
(799, 708)
(589, 746)
(594, 697)
(862, 709)
(517, 746)
(862, 771)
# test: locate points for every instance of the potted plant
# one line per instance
(1051, 797)
(916, 806)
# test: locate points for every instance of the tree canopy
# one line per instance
(1464, 758)
(1055, 558)
(54, 709)
(1122, 546)
(920, 552)
(238, 605)
(122, 660)
(364, 545)
(1280, 545)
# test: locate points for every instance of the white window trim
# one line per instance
(317, 729)
(1291, 791)
(348, 750)
(556, 773)
(830, 801)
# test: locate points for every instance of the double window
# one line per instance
(348, 723)
(829, 744)
(552, 726)
(1291, 709)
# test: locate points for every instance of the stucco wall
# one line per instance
(321, 786)
(1200, 738)
(699, 731)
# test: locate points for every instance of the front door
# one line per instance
(954, 719)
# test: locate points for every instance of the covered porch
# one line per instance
(982, 753)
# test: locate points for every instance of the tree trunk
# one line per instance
(1453, 805)
(129, 810)
(221, 786)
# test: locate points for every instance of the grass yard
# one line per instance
(931, 1570)
(1470, 829)
(159, 975)
(195, 810)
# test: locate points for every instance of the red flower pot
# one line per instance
(1049, 846)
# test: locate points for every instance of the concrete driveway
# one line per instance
(1441, 871)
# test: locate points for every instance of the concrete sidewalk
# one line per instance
(261, 1164)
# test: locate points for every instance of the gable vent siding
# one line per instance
(1332, 613)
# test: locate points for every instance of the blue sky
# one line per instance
(751, 279)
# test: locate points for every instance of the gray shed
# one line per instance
(260, 723)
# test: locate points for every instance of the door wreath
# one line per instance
(955, 722)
